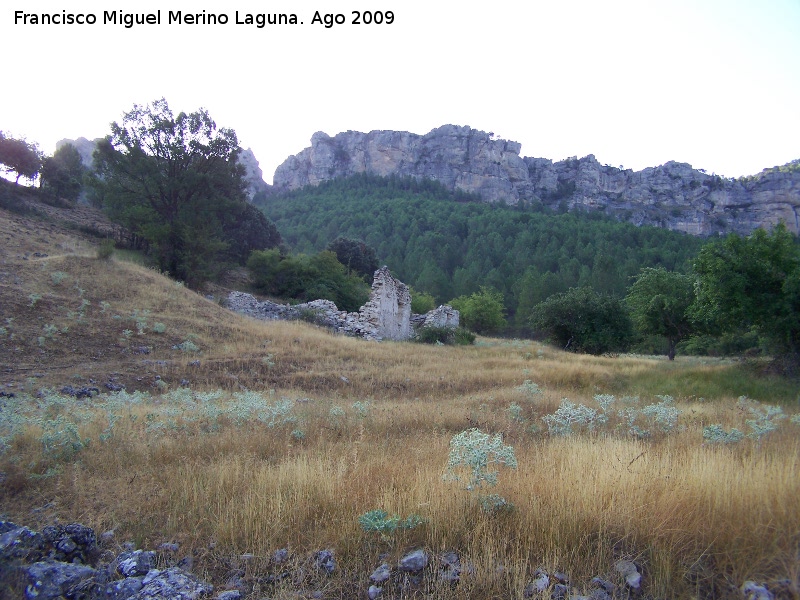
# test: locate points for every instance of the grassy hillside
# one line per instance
(234, 436)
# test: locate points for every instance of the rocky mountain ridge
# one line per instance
(674, 195)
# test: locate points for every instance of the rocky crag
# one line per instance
(673, 195)
(386, 315)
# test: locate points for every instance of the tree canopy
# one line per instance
(583, 320)
(304, 277)
(752, 281)
(482, 312)
(356, 256)
(174, 180)
(62, 173)
(659, 302)
(449, 245)
(19, 157)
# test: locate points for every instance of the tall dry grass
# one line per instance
(700, 520)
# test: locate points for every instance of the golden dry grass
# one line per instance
(700, 520)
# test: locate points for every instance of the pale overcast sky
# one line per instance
(636, 83)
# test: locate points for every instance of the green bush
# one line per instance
(581, 320)
(445, 335)
(435, 335)
(421, 302)
(106, 249)
(306, 278)
(464, 337)
(482, 312)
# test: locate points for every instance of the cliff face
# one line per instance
(673, 195)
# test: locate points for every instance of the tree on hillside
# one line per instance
(356, 256)
(752, 281)
(62, 173)
(659, 302)
(248, 229)
(582, 320)
(19, 157)
(174, 180)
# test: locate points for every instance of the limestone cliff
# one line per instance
(673, 195)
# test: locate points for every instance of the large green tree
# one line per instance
(174, 180)
(20, 157)
(659, 302)
(582, 320)
(62, 173)
(752, 281)
(356, 256)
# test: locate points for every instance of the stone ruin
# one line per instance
(385, 316)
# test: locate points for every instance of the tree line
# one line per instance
(449, 245)
(583, 281)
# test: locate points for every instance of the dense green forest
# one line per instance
(450, 244)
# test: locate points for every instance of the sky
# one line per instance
(636, 83)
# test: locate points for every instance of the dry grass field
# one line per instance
(246, 437)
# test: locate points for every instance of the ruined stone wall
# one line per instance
(387, 314)
(389, 307)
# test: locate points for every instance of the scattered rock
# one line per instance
(629, 571)
(373, 592)
(83, 392)
(540, 583)
(325, 561)
(560, 592)
(414, 562)
(175, 584)
(605, 585)
(381, 574)
(450, 568)
(138, 562)
(51, 580)
(754, 591)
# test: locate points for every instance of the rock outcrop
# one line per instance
(673, 195)
(386, 315)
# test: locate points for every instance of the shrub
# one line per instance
(58, 277)
(529, 388)
(581, 320)
(187, 346)
(476, 452)
(361, 408)
(765, 418)
(434, 335)
(570, 415)
(106, 249)
(716, 434)
(464, 337)
(380, 521)
(482, 312)
(421, 302)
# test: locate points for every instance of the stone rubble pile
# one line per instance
(64, 562)
(386, 315)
